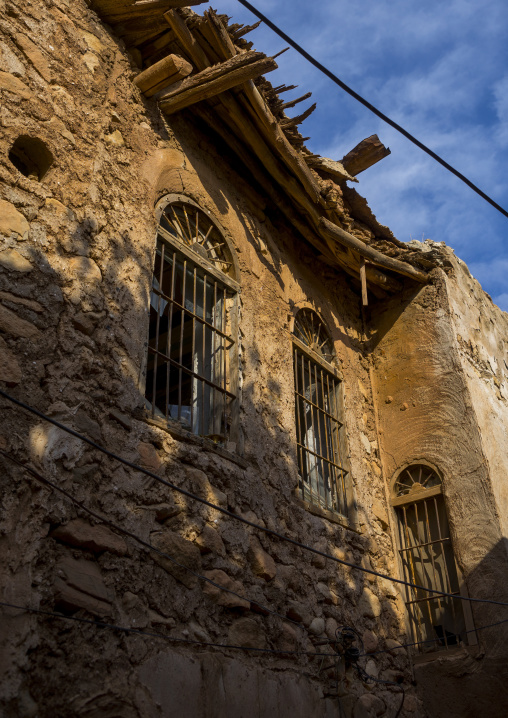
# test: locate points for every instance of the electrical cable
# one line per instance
(366, 677)
(232, 515)
(141, 541)
(371, 107)
(435, 640)
(155, 634)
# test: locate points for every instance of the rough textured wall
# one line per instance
(426, 411)
(75, 272)
(482, 338)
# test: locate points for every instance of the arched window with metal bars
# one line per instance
(319, 416)
(192, 367)
(427, 558)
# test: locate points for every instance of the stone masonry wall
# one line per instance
(75, 271)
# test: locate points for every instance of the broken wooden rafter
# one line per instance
(215, 80)
(364, 155)
(165, 72)
(186, 39)
(294, 121)
(243, 30)
(292, 103)
(116, 11)
(332, 232)
(335, 170)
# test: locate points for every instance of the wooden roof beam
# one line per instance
(364, 155)
(215, 80)
(331, 231)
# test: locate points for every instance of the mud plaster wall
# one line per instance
(427, 411)
(75, 271)
(482, 338)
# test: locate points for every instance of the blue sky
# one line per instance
(438, 69)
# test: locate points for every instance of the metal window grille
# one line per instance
(189, 365)
(427, 558)
(318, 426)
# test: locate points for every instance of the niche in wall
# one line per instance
(31, 157)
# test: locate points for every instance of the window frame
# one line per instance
(231, 328)
(423, 648)
(347, 501)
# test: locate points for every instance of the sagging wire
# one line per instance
(155, 634)
(237, 517)
(42, 479)
(277, 30)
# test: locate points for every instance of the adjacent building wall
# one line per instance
(433, 405)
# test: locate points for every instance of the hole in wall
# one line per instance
(31, 157)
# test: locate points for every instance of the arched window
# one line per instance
(318, 409)
(426, 554)
(191, 375)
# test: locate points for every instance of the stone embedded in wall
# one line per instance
(12, 222)
(148, 456)
(11, 324)
(10, 62)
(79, 584)
(10, 371)
(248, 633)
(209, 541)
(369, 706)
(380, 512)
(181, 550)
(12, 84)
(288, 638)
(222, 598)
(36, 57)
(394, 647)
(85, 425)
(262, 563)
(122, 419)
(369, 604)
(115, 139)
(329, 596)
(297, 612)
(201, 486)
(14, 261)
(98, 538)
(317, 626)
(370, 641)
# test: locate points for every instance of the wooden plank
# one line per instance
(204, 88)
(365, 154)
(171, 66)
(363, 280)
(337, 234)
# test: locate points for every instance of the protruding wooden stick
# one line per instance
(186, 39)
(294, 121)
(244, 30)
(364, 155)
(172, 66)
(292, 103)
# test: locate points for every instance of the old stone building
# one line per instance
(185, 285)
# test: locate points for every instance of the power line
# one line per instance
(139, 540)
(370, 106)
(243, 520)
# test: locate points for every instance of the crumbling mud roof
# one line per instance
(187, 59)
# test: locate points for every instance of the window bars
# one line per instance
(318, 411)
(189, 367)
(427, 559)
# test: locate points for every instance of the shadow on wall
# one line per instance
(469, 683)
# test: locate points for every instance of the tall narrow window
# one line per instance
(427, 559)
(192, 369)
(318, 409)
